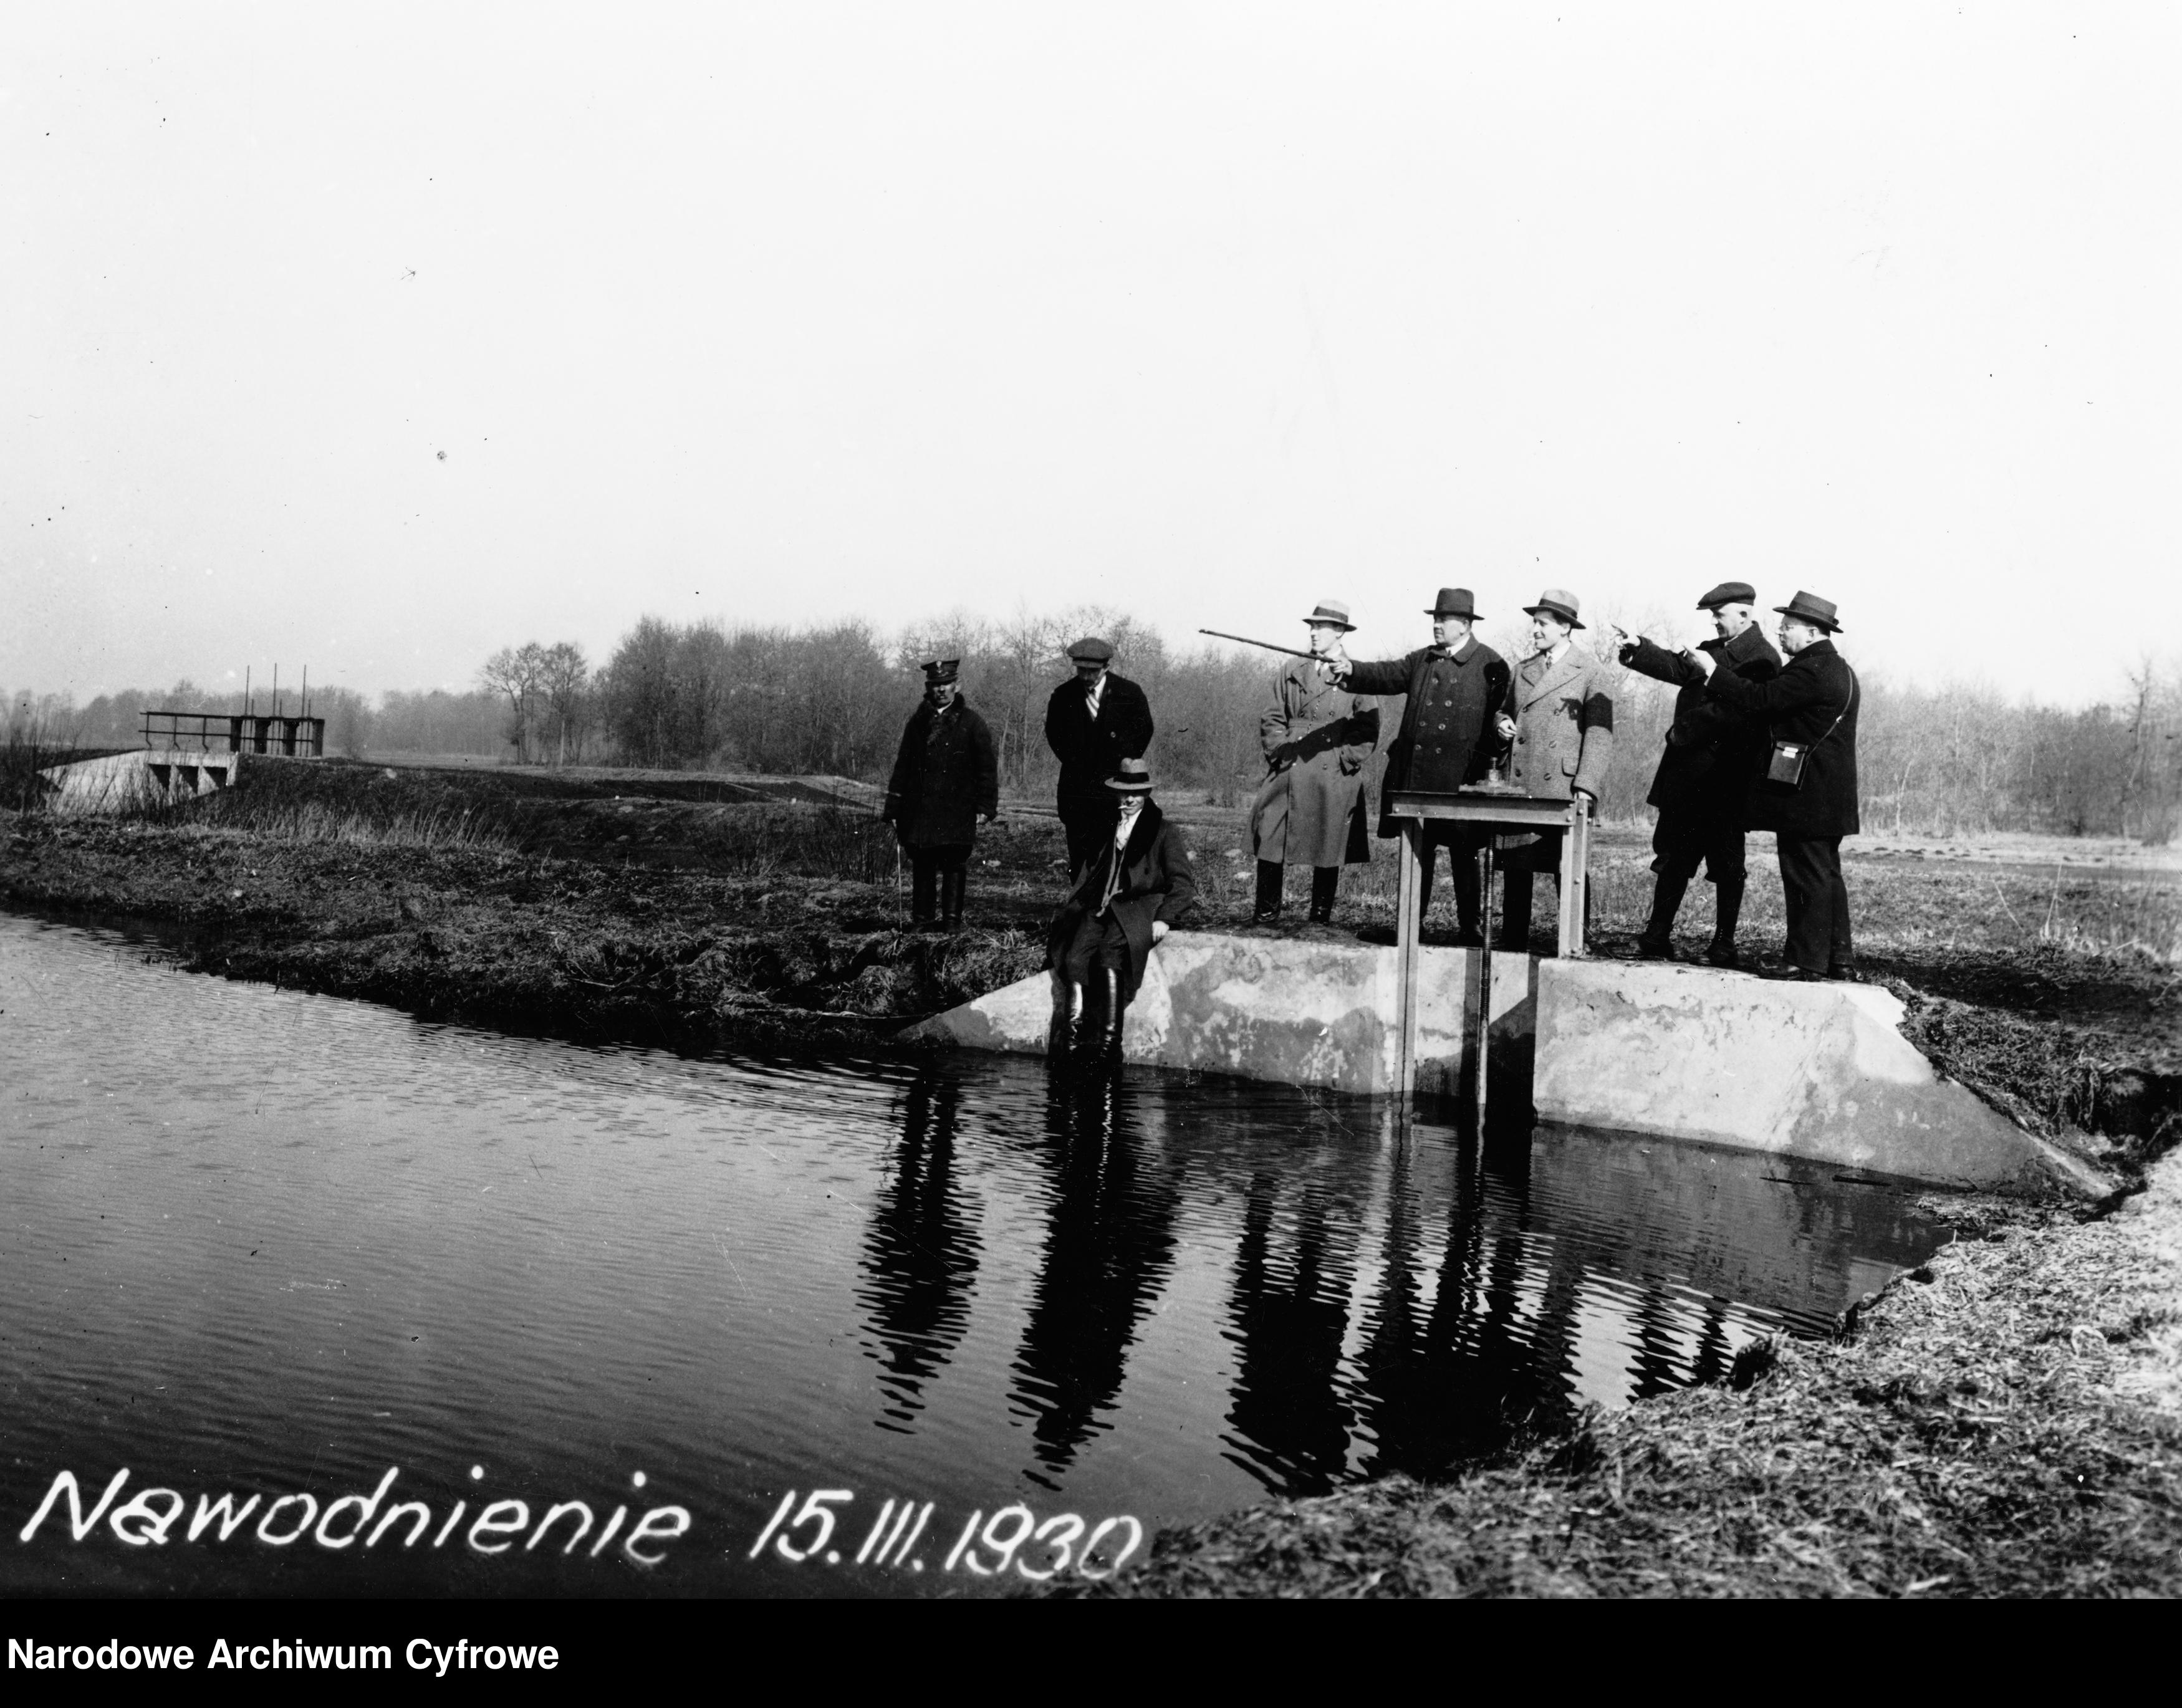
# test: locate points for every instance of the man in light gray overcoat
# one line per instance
(1317, 739)
(1562, 736)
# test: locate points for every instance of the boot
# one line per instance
(951, 886)
(1270, 873)
(1656, 944)
(1324, 881)
(1727, 905)
(922, 882)
(1110, 1020)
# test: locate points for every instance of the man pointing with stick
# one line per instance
(1455, 721)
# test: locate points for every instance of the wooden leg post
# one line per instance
(1408, 925)
(1576, 878)
(1481, 1040)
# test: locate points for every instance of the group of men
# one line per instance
(1755, 743)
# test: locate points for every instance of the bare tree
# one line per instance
(563, 672)
(515, 673)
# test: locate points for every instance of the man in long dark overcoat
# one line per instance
(1131, 890)
(945, 778)
(1456, 689)
(1810, 709)
(1317, 739)
(1092, 723)
(1713, 755)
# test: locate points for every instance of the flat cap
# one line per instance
(1091, 650)
(1728, 593)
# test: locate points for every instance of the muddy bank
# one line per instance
(2006, 1420)
(566, 947)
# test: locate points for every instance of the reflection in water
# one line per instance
(1110, 1243)
(921, 1254)
(1290, 1313)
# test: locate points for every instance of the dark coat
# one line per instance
(1482, 683)
(1814, 687)
(1157, 883)
(1714, 752)
(1316, 737)
(944, 777)
(1090, 752)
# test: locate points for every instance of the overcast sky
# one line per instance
(375, 338)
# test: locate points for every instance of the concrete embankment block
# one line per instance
(123, 782)
(1815, 1070)
(1298, 1010)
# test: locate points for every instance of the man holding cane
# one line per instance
(1309, 811)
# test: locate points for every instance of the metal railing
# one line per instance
(220, 732)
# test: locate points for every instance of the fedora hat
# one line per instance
(939, 672)
(1728, 593)
(1454, 601)
(1810, 608)
(1560, 602)
(1330, 611)
(1134, 777)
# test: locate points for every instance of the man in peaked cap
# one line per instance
(945, 778)
(1317, 739)
(1456, 689)
(1713, 755)
(1133, 888)
(1092, 724)
(1561, 728)
(1807, 794)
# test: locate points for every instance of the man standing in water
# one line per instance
(1455, 687)
(1713, 755)
(944, 777)
(1317, 739)
(1807, 794)
(1092, 724)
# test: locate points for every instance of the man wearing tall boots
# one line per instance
(1713, 755)
(1092, 723)
(1456, 689)
(1563, 731)
(1317, 739)
(1129, 892)
(945, 778)
(1807, 794)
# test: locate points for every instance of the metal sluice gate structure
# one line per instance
(221, 731)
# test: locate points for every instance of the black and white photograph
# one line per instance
(957, 801)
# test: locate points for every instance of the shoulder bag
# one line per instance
(1785, 764)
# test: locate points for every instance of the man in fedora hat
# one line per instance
(1456, 688)
(1317, 739)
(945, 778)
(1092, 722)
(1713, 755)
(1562, 731)
(1136, 884)
(1806, 795)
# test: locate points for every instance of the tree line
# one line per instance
(831, 699)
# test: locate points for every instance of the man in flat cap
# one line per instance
(1457, 688)
(1563, 733)
(1317, 739)
(1806, 795)
(1134, 886)
(1092, 724)
(1713, 755)
(944, 779)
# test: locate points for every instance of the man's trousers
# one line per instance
(1817, 904)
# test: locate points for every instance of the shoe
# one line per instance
(1792, 975)
(1322, 918)
(1469, 937)
(1654, 949)
(1846, 976)
(1265, 916)
(1723, 956)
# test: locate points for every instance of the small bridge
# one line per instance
(185, 754)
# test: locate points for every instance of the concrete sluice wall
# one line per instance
(124, 782)
(1816, 1071)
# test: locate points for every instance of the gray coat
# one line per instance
(1563, 725)
(1317, 739)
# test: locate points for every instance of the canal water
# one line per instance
(366, 1305)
